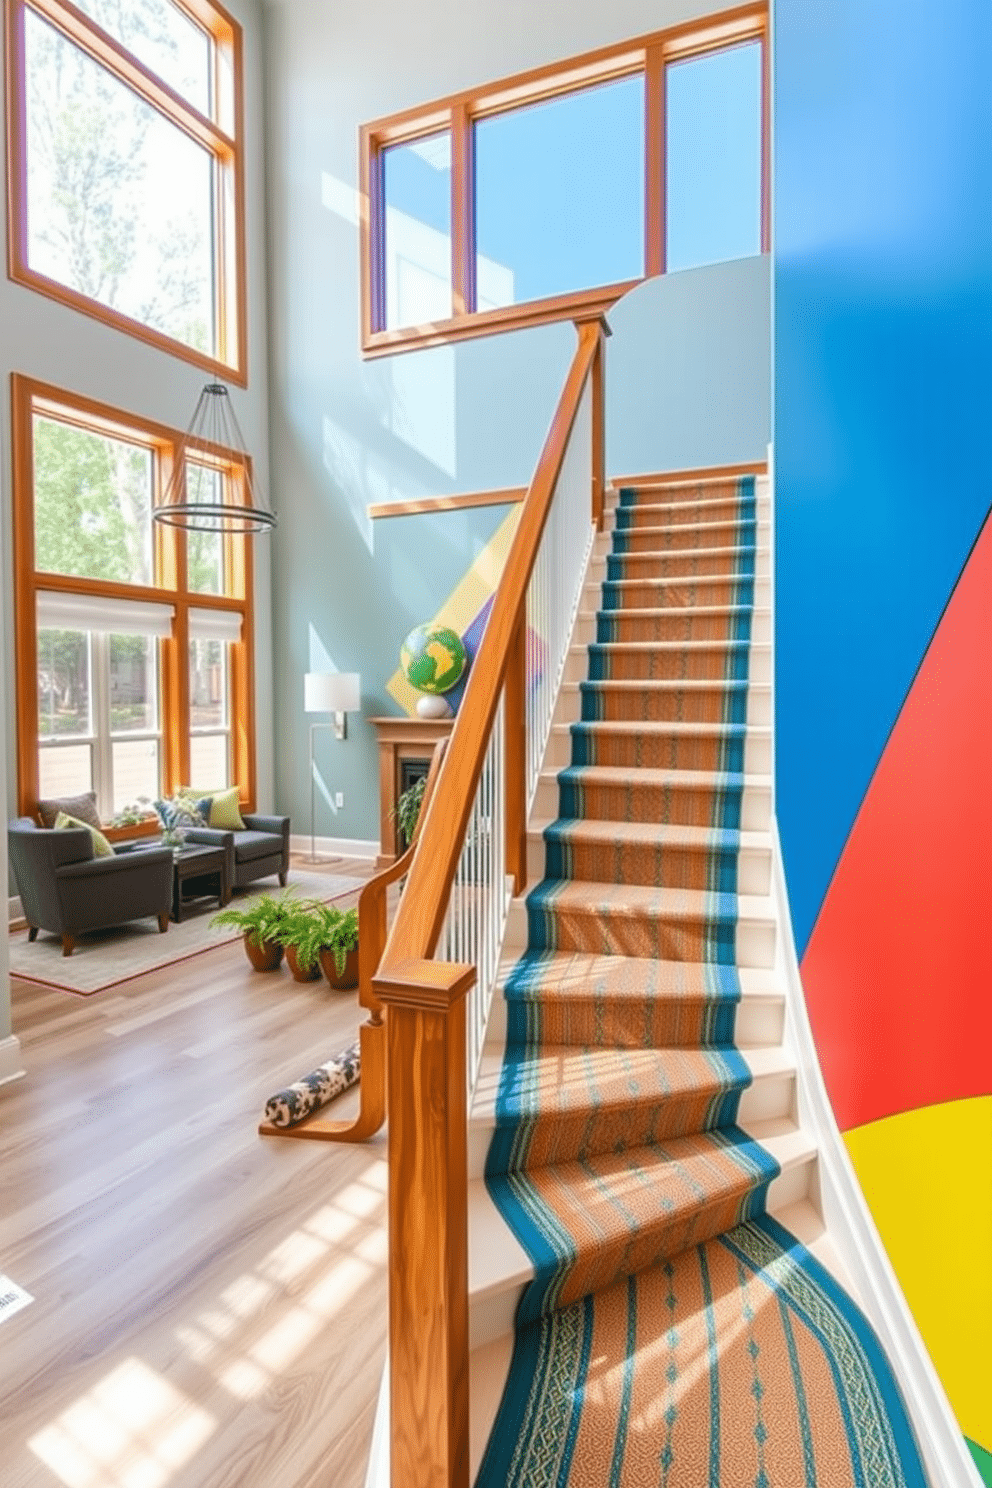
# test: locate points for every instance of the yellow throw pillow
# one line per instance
(101, 847)
(225, 812)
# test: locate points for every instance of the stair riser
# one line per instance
(662, 539)
(664, 938)
(641, 544)
(680, 594)
(662, 751)
(672, 627)
(653, 1244)
(596, 1131)
(621, 1022)
(758, 1024)
(678, 804)
(658, 703)
(728, 871)
(685, 514)
(654, 513)
(680, 565)
(767, 1097)
(730, 662)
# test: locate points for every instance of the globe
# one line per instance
(433, 658)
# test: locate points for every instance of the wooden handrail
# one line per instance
(418, 922)
(426, 1065)
(371, 1035)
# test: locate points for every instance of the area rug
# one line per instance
(103, 958)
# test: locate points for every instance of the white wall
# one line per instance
(346, 431)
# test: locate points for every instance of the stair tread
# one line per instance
(675, 834)
(583, 975)
(647, 775)
(667, 684)
(497, 1261)
(724, 550)
(661, 726)
(671, 581)
(563, 1073)
(639, 899)
(673, 646)
(585, 613)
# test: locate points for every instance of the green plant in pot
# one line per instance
(407, 808)
(301, 933)
(261, 924)
(339, 947)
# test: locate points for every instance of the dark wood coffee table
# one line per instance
(196, 862)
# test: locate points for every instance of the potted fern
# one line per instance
(339, 947)
(260, 923)
(407, 809)
(301, 934)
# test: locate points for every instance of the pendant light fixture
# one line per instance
(203, 495)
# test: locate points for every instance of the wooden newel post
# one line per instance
(428, 1222)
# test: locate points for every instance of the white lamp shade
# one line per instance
(332, 692)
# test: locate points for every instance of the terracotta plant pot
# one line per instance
(348, 977)
(264, 955)
(312, 975)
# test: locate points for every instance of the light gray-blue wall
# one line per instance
(688, 370)
(346, 432)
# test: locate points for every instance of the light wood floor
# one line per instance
(210, 1305)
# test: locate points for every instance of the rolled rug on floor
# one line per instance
(298, 1101)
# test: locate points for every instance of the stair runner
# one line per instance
(673, 1334)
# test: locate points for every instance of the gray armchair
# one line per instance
(66, 890)
(259, 851)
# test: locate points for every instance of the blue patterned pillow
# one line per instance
(179, 812)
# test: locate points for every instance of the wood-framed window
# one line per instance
(125, 169)
(134, 640)
(623, 160)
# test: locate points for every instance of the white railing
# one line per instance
(556, 585)
(481, 893)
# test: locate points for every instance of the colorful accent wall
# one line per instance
(883, 382)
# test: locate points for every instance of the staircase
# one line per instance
(635, 1314)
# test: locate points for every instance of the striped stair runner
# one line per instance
(673, 1334)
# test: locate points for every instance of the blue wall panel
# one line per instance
(883, 381)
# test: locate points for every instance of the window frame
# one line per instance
(222, 137)
(28, 397)
(648, 55)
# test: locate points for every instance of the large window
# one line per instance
(125, 166)
(133, 641)
(550, 194)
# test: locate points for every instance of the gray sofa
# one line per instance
(259, 851)
(66, 890)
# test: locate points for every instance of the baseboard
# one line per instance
(15, 912)
(11, 1067)
(335, 847)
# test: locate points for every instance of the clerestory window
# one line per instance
(124, 158)
(550, 194)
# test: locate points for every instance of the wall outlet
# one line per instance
(338, 800)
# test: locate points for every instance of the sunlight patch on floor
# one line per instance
(132, 1430)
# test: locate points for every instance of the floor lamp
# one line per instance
(339, 693)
